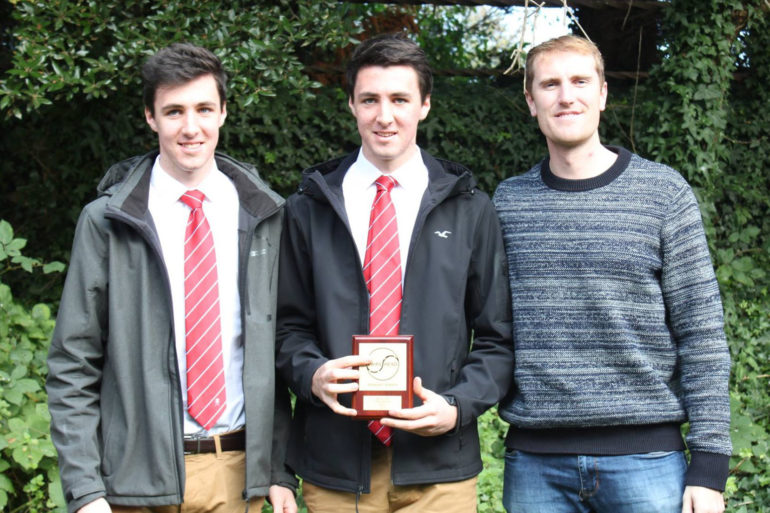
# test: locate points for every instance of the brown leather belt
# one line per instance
(235, 441)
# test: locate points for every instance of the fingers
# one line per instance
(100, 505)
(282, 499)
(698, 499)
(337, 377)
(427, 425)
(353, 360)
(434, 417)
(431, 403)
(687, 503)
(419, 391)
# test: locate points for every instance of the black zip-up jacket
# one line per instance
(455, 290)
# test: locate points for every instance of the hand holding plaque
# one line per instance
(386, 383)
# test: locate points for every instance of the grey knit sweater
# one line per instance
(617, 318)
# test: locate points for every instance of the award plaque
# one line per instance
(386, 383)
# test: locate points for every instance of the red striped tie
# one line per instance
(206, 395)
(382, 271)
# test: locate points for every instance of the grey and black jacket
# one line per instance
(113, 383)
(455, 290)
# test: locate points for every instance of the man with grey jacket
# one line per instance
(161, 376)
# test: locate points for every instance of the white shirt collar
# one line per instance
(409, 176)
(169, 189)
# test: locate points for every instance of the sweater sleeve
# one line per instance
(694, 311)
(75, 362)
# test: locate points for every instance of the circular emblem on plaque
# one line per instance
(385, 364)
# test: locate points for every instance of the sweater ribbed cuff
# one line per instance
(708, 469)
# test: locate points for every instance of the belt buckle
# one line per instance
(194, 438)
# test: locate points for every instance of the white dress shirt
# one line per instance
(358, 189)
(170, 217)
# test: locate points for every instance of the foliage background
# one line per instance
(70, 106)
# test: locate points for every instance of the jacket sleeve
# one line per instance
(75, 362)
(298, 355)
(280, 473)
(694, 310)
(487, 372)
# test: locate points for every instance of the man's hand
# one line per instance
(282, 499)
(434, 417)
(698, 499)
(326, 381)
(98, 506)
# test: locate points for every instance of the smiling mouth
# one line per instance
(567, 114)
(191, 146)
(385, 134)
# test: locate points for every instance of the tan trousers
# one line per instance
(456, 497)
(212, 485)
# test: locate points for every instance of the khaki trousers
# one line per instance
(455, 497)
(213, 484)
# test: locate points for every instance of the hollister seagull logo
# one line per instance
(444, 234)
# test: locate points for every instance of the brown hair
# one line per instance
(567, 43)
(178, 64)
(390, 50)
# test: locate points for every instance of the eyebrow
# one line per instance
(366, 94)
(558, 79)
(180, 106)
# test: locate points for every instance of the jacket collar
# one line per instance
(445, 178)
(127, 184)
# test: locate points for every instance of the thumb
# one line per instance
(419, 391)
(687, 503)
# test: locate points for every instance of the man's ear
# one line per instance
(150, 119)
(530, 104)
(425, 107)
(224, 114)
(603, 97)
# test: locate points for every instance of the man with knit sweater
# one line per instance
(617, 318)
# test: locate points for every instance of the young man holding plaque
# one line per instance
(391, 241)
(617, 317)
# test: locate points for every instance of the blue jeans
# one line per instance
(559, 483)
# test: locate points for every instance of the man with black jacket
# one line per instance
(445, 285)
(161, 380)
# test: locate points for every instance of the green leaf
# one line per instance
(16, 244)
(6, 232)
(743, 264)
(55, 492)
(6, 484)
(53, 267)
(18, 372)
